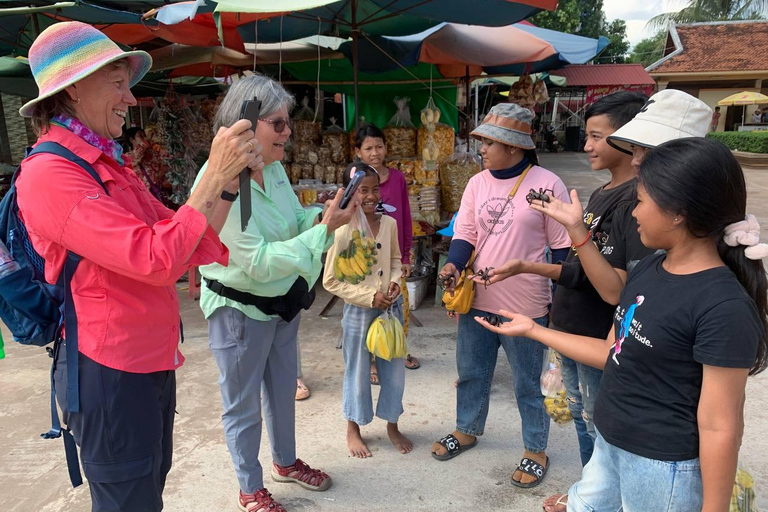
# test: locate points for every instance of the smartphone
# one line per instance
(351, 189)
(250, 110)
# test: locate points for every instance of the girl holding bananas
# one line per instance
(371, 148)
(366, 294)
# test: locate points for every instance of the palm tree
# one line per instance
(712, 10)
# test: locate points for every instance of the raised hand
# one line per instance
(570, 215)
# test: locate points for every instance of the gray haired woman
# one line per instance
(253, 305)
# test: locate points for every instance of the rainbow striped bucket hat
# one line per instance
(70, 51)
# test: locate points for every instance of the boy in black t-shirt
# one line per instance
(577, 308)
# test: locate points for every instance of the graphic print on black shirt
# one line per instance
(667, 328)
(577, 307)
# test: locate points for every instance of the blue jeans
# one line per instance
(581, 385)
(615, 479)
(476, 355)
(357, 401)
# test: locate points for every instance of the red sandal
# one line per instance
(300, 473)
(260, 501)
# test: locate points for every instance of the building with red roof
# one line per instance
(714, 60)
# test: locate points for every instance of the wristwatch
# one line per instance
(228, 196)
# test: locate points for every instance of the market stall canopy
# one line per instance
(182, 60)
(513, 49)
(374, 17)
(744, 98)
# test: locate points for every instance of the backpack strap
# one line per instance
(70, 326)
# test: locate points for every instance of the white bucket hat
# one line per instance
(668, 115)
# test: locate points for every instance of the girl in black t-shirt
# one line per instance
(693, 323)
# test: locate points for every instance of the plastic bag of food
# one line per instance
(430, 115)
(743, 498)
(400, 131)
(357, 251)
(455, 173)
(442, 134)
(386, 338)
(337, 141)
(540, 93)
(318, 172)
(553, 389)
(305, 126)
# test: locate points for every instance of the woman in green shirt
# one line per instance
(252, 305)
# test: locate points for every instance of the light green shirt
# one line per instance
(280, 244)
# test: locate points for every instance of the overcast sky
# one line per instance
(637, 13)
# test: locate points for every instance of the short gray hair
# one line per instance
(272, 94)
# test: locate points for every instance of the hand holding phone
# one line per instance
(250, 110)
(351, 189)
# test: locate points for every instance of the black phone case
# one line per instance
(354, 184)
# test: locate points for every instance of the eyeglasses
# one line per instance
(279, 124)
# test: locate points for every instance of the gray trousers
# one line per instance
(257, 364)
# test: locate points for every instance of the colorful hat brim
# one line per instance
(503, 136)
(140, 62)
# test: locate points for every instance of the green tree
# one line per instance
(649, 50)
(712, 10)
(616, 51)
(581, 17)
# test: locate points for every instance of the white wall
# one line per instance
(712, 96)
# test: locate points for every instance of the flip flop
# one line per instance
(562, 501)
(453, 447)
(375, 378)
(412, 363)
(302, 392)
(533, 468)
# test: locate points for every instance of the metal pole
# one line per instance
(468, 107)
(355, 62)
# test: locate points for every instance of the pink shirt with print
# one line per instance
(519, 232)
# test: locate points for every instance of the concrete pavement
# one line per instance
(33, 470)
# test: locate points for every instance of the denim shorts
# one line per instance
(617, 480)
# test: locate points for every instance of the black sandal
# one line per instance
(453, 447)
(533, 468)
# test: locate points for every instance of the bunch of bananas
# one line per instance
(743, 498)
(557, 408)
(386, 338)
(355, 262)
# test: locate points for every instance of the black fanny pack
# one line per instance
(285, 306)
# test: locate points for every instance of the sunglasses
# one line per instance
(279, 124)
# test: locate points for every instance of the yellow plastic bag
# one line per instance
(396, 334)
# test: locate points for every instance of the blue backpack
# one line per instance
(36, 311)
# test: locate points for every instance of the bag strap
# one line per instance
(509, 198)
(70, 326)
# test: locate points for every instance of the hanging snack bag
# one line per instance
(336, 140)
(455, 174)
(305, 126)
(400, 131)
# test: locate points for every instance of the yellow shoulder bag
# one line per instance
(464, 293)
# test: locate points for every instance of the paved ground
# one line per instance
(34, 476)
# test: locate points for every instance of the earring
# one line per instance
(77, 101)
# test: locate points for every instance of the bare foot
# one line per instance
(464, 439)
(355, 443)
(402, 443)
(525, 478)
(556, 503)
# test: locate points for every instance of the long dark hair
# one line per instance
(531, 155)
(701, 180)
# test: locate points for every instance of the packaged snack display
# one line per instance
(455, 174)
(305, 125)
(337, 142)
(400, 131)
(443, 136)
